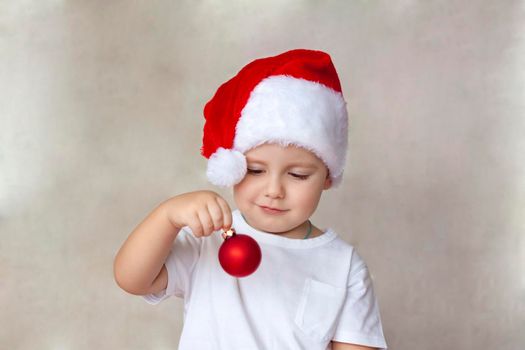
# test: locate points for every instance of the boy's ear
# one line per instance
(327, 182)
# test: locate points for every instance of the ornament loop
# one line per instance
(229, 233)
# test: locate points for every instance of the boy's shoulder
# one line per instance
(339, 241)
(348, 250)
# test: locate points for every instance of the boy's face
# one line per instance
(290, 179)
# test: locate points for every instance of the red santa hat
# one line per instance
(293, 98)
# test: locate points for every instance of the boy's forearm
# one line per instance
(141, 257)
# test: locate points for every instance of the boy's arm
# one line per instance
(346, 346)
(139, 265)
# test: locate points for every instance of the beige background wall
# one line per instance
(101, 116)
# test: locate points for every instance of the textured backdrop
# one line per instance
(101, 117)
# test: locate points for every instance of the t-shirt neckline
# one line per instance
(241, 226)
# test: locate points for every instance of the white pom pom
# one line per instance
(226, 167)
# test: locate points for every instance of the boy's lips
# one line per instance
(271, 209)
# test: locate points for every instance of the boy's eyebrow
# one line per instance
(291, 165)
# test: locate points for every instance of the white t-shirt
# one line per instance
(304, 294)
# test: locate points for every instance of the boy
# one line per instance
(277, 134)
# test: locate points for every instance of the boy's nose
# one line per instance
(274, 188)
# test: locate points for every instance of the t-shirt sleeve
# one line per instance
(180, 264)
(360, 321)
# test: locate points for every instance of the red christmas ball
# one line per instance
(239, 254)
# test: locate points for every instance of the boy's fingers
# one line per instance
(195, 225)
(226, 213)
(206, 222)
(216, 215)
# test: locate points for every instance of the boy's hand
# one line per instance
(203, 211)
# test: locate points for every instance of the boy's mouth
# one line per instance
(271, 210)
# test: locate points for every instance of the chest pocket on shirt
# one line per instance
(319, 308)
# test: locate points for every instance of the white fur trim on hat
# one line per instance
(293, 111)
(226, 167)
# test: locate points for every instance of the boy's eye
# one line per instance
(298, 176)
(257, 172)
